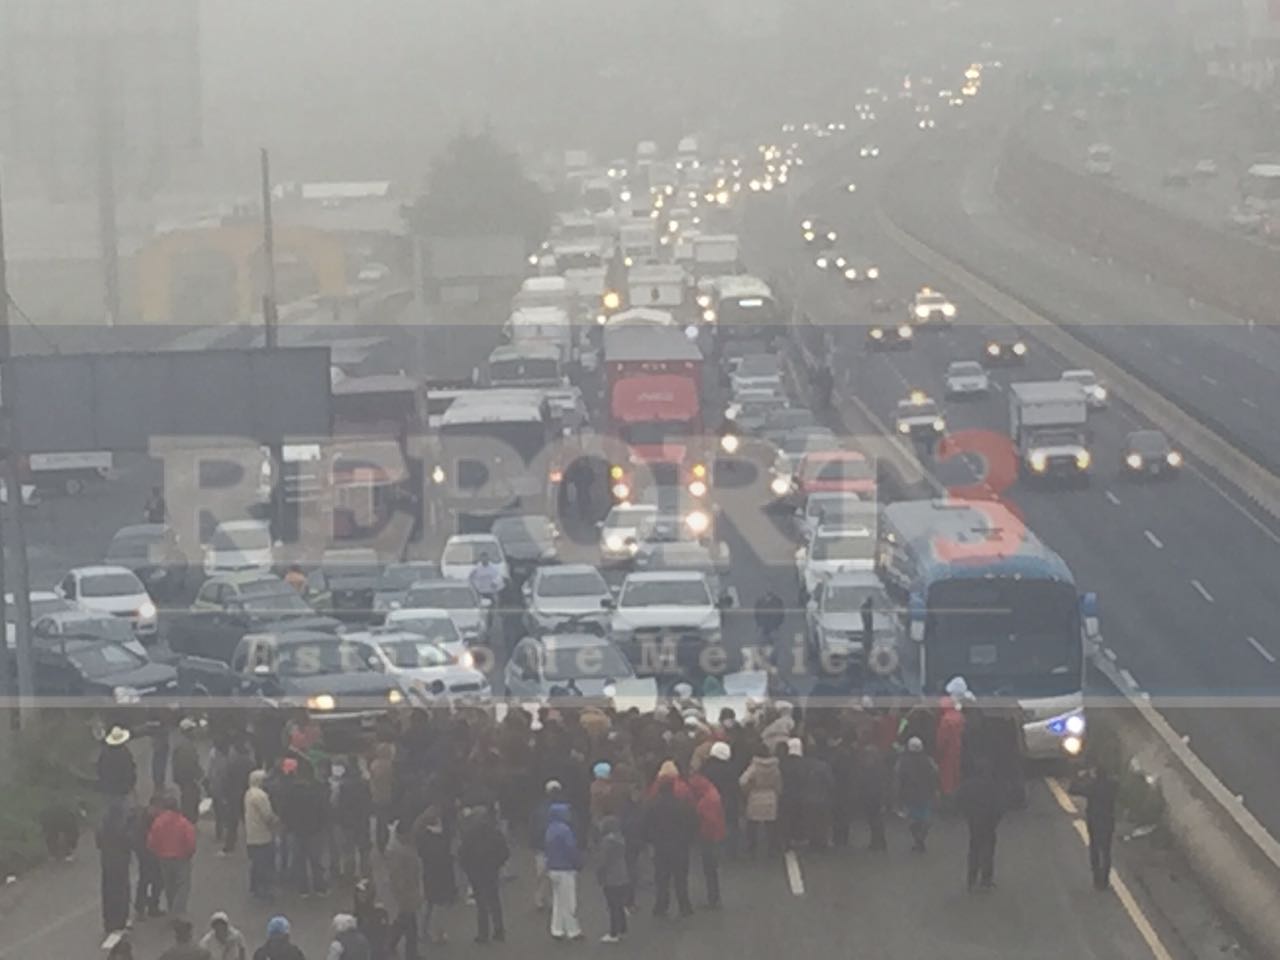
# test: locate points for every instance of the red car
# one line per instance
(836, 471)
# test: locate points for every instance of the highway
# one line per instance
(1181, 567)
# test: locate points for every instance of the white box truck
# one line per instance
(716, 255)
(1048, 425)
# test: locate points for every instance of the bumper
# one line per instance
(1041, 743)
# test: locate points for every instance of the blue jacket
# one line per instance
(561, 844)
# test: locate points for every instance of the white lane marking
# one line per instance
(1208, 379)
(793, 873)
(1263, 652)
(997, 386)
(1199, 587)
(1249, 403)
(1175, 360)
(1240, 508)
(1109, 654)
(1153, 540)
(1112, 497)
(1129, 678)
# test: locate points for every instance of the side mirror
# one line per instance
(599, 524)
(608, 603)
(812, 606)
(527, 589)
(725, 602)
(1089, 614)
(486, 602)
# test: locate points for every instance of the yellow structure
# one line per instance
(216, 272)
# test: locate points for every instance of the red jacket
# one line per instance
(172, 837)
(680, 787)
(711, 826)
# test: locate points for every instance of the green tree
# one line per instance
(476, 187)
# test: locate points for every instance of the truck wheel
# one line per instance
(73, 486)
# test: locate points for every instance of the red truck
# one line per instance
(653, 394)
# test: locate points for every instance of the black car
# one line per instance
(213, 627)
(345, 584)
(1148, 453)
(396, 579)
(151, 551)
(888, 336)
(93, 667)
(1005, 347)
(527, 540)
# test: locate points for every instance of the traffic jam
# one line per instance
(646, 492)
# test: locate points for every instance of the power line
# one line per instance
(33, 325)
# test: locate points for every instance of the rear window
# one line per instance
(110, 585)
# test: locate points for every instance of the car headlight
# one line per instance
(851, 274)
(395, 696)
(877, 333)
(822, 263)
(704, 300)
(939, 424)
(873, 273)
(1174, 459)
(126, 695)
(708, 315)
(1039, 462)
(729, 443)
(922, 312)
(533, 259)
(1134, 461)
(993, 349)
(621, 491)
(831, 236)
(904, 427)
(698, 488)
(948, 309)
(905, 332)
(852, 188)
(1020, 349)
(780, 486)
(1072, 746)
(841, 263)
(1083, 459)
(806, 225)
(809, 236)
(147, 610)
(1075, 725)
(1100, 393)
(321, 702)
(697, 521)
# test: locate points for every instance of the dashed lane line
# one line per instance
(1112, 497)
(1131, 907)
(1249, 403)
(1153, 540)
(1199, 588)
(1208, 379)
(1129, 678)
(794, 877)
(1263, 652)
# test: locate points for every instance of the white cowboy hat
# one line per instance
(117, 736)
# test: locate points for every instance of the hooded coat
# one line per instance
(612, 870)
(721, 774)
(711, 825)
(259, 817)
(671, 824)
(560, 843)
(762, 783)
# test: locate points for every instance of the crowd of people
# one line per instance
(438, 798)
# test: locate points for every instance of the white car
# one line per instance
(929, 306)
(43, 602)
(1095, 394)
(462, 553)
(618, 531)
(425, 602)
(430, 670)
(759, 372)
(832, 550)
(565, 593)
(111, 590)
(659, 603)
(967, 378)
(829, 508)
(240, 545)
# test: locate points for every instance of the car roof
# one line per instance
(659, 576)
(244, 525)
(964, 363)
(141, 530)
(417, 613)
(842, 532)
(471, 538)
(294, 638)
(856, 578)
(78, 644)
(378, 635)
(571, 641)
(238, 577)
(1078, 372)
(100, 570)
(566, 569)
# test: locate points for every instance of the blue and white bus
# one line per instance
(986, 600)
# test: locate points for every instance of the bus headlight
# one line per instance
(729, 443)
(948, 309)
(1020, 349)
(904, 427)
(1083, 459)
(1039, 462)
(698, 488)
(612, 300)
(698, 522)
(321, 702)
(1174, 459)
(621, 491)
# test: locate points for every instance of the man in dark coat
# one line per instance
(872, 780)
(1101, 789)
(482, 853)
(115, 848)
(306, 819)
(982, 801)
(117, 772)
(671, 827)
(720, 770)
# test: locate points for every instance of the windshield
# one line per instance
(931, 299)
(586, 584)
(281, 602)
(523, 530)
(833, 506)
(1007, 636)
(665, 593)
(105, 660)
(401, 576)
(135, 547)
(526, 370)
(482, 443)
(321, 658)
(627, 517)
(656, 432)
(849, 598)
(470, 551)
(758, 366)
(1148, 442)
(967, 369)
(839, 469)
(439, 630)
(113, 628)
(247, 539)
(845, 547)
(599, 662)
(926, 409)
(443, 596)
(1082, 377)
(414, 654)
(110, 585)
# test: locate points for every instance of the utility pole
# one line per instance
(270, 319)
(14, 530)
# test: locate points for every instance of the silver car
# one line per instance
(833, 616)
(571, 592)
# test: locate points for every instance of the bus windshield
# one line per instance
(1005, 637)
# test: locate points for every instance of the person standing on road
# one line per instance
(184, 946)
(353, 808)
(762, 784)
(172, 839)
(482, 854)
(564, 860)
(307, 820)
(279, 946)
(719, 770)
(1100, 789)
(348, 942)
(711, 833)
(871, 782)
(917, 790)
(117, 772)
(614, 877)
(223, 941)
(146, 901)
(770, 612)
(671, 827)
(186, 769)
(260, 826)
(982, 802)
(115, 849)
(382, 782)
(154, 511)
(404, 876)
(439, 882)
